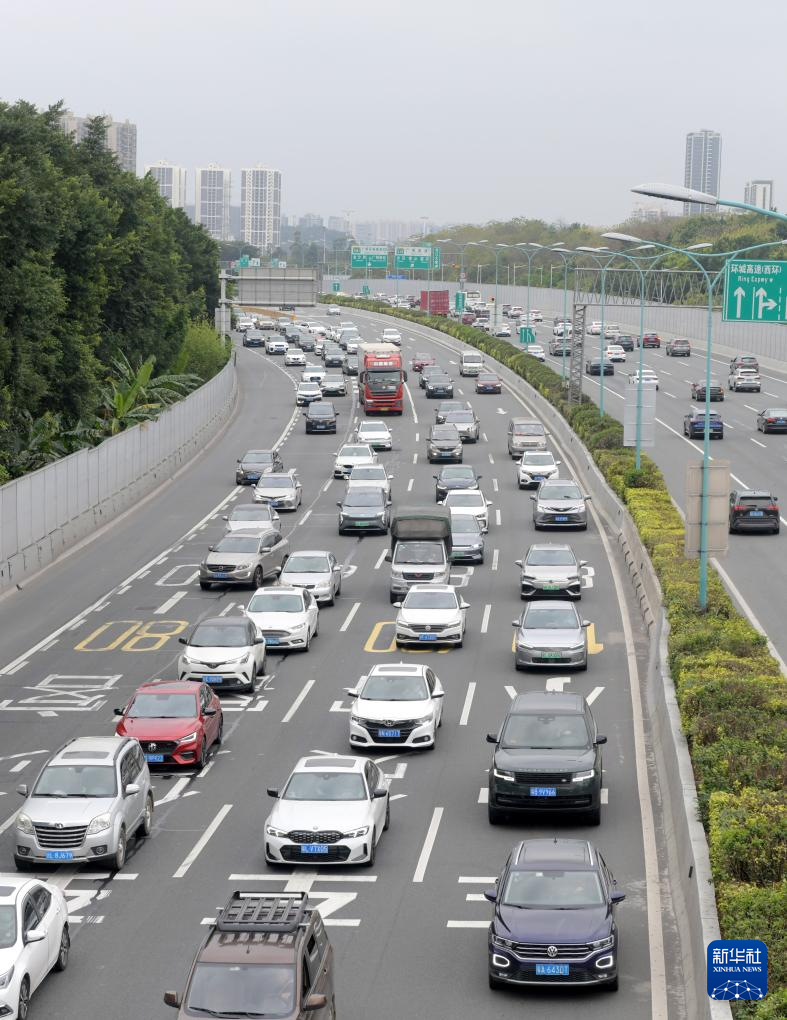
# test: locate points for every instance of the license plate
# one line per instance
(427, 637)
(389, 733)
(561, 517)
(551, 587)
(272, 640)
(538, 478)
(314, 848)
(253, 478)
(543, 791)
(154, 759)
(551, 970)
(781, 421)
(220, 573)
(551, 655)
(213, 678)
(756, 513)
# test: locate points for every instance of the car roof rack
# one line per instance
(263, 912)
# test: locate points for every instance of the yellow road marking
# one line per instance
(594, 647)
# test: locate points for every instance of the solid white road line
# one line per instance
(485, 620)
(412, 405)
(170, 602)
(380, 559)
(426, 849)
(468, 704)
(495, 558)
(202, 842)
(297, 703)
(448, 924)
(747, 611)
(349, 618)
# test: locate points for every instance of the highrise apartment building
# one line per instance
(212, 190)
(703, 167)
(260, 207)
(759, 193)
(120, 136)
(171, 181)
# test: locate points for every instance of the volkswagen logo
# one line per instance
(152, 747)
(58, 825)
(427, 627)
(551, 951)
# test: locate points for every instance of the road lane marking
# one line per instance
(410, 485)
(305, 518)
(510, 691)
(463, 718)
(483, 436)
(203, 841)
(412, 405)
(20, 765)
(448, 924)
(498, 518)
(327, 485)
(415, 458)
(594, 694)
(495, 486)
(170, 602)
(495, 558)
(174, 792)
(426, 849)
(485, 620)
(491, 459)
(758, 443)
(418, 437)
(16, 668)
(227, 608)
(299, 700)
(750, 408)
(380, 559)
(349, 618)
(594, 646)
(556, 683)
(483, 795)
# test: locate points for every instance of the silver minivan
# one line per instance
(525, 434)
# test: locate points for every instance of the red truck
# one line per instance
(436, 302)
(382, 379)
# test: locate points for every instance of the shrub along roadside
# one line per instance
(731, 693)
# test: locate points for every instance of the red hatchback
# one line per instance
(175, 721)
(651, 340)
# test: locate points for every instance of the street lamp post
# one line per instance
(675, 193)
(565, 255)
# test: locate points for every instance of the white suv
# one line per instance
(397, 705)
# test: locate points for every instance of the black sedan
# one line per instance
(351, 364)
(439, 384)
(626, 341)
(488, 382)
(772, 419)
(753, 510)
(428, 370)
(694, 425)
(593, 366)
(320, 416)
(716, 390)
(455, 476)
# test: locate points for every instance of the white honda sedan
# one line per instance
(535, 467)
(469, 501)
(397, 704)
(431, 614)
(614, 352)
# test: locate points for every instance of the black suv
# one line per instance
(256, 463)
(547, 757)
(753, 510)
(320, 416)
(626, 341)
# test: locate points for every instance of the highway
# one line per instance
(409, 934)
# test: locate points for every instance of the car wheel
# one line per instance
(119, 857)
(372, 851)
(205, 585)
(257, 579)
(495, 815)
(202, 761)
(387, 817)
(62, 954)
(339, 591)
(393, 597)
(146, 823)
(307, 646)
(23, 1008)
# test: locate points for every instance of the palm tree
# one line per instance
(131, 395)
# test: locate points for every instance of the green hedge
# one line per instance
(731, 693)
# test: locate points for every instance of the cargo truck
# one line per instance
(381, 379)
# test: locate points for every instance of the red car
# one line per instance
(175, 721)
(420, 361)
(468, 318)
(651, 340)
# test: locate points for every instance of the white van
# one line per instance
(471, 363)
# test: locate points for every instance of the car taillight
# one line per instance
(770, 420)
(773, 507)
(739, 506)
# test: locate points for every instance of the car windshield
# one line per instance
(317, 411)
(354, 451)
(558, 890)
(465, 524)
(394, 687)
(356, 498)
(538, 459)
(559, 490)
(242, 989)
(418, 552)
(251, 513)
(444, 432)
(430, 600)
(366, 472)
(325, 786)
(275, 482)
(464, 499)
(258, 458)
(529, 430)
(551, 558)
(300, 563)
(7, 926)
(457, 471)
(550, 618)
(776, 412)
(459, 416)
(487, 377)
(546, 732)
(381, 381)
(76, 781)
(236, 544)
(163, 706)
(217, 635)
(271, 602)
(374, 426)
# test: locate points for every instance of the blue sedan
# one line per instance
(694, 425)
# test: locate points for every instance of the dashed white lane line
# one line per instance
(327, 485)
(460, 392)
(305, 518)
(227, 608)
(170, 602)
(20, 765)
(418, 437)
(491, 459)
(495, 486)
(16, 668)
(484, 437)
(750, 408)
(124, 589)
(594, 694)
(299, 700)
(758, 442)
(349, 618)
(426, 850)
(485, 618)
(495, 558)
(463, 718)
(415, 458)
(380, 559)
(203, 841)
(498, 518)
(410, 485)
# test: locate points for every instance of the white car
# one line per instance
(316, 328)
(251, 516)
(333, 810)
(536, 315)
(431, 614)
(316, 570)
(375, 433)
(276, 345)
(649, 378)
(516, 312)
(245, 322)
(313, 373)
(364, 475)
(286, 616)
(614, 352)
(536, 351)
(399, 704)
(346, 325)
(280, 489)
(594, 329)
(34, 939)
(294, 356)
(333, 310)
(611, 330)
(502, 329)
(307, 392)
(223, 651)
(469, 501)
(392, 336)
(351, 345)
(350, 456)
(535, 467)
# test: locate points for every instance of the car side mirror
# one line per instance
(22, 789)
(388, 558)
(397, 605)
(515, 623)
(130, 789)
(35, 935)
(117, 711)
(273, 792)
(172, 999)
(600, 739)
(491, 895)
(489, 502)
(225, 517)
(586, 623)
(211, 548)
(210, 711)
(315, 1002)
(435, 478)
(518, 563)
(533, 497)
(238, 461)
(583, 563)
(338, 502)
(352, 691)
(379, 793)
(617, 896)
(463, 604)
(491, 738)
(587, 498)
(558, 463)
(259, 640)
(438, 694)
(182, 641)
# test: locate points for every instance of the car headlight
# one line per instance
(272, 831)
(503, 774)
(356, 833)
(576, 648)
(237, 658)
(458, 449)
(606, 943)
(505, 943)
(242, 566)
(5, 979)
(429, 717)
(99, 824)
(189, 738)
(580, 777)
(24, 824)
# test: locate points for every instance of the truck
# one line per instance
(420, 548)
(381, 379)
(435, 302)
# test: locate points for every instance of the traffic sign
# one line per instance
(336, 286)
(417, 257)
(365, 290)
(755, 291)
(243, 262)
(369, 256)
(527, 335)
(459, 301)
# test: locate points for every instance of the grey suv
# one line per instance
(88, 800)
(244, 557)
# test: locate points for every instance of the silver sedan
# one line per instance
(560, 504)
(550, 634)
(316, 570)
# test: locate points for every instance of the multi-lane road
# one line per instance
(409, 934)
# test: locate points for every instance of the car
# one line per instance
(595, 366)
(650, 340)
(754, 510)
(175, 721)
(744, 361)
(550, 569)
(333, 809)
(554, 917)
(547, 758)
(626, 340)
(445, 406)
(255, 463)
(614, 353)
(536, 351)
(444, 443)
(467, 539)
(698, 390)
(370, 474)
(266, 955)
(346, 325)
(315, 328)
(364, 508)
(333, 386)
(505, 310)
(563, 330)
(469, 501)
(744, 380)
(286, 616)
(484, 323)
(611, 331)
(515, 312)
(438, 384)
(306, 393)
(280, 489)
(420, 361)
(649, 378)
(316, 570)
(560, 504)
(525, 434)
(694, 425)
(593, 329)
(677, 347)
(351, 455)
(303, 340)
(244, 557)
(374, 433)
(319, 345)
(276, 345)
(34, 940)
(245, 323)
(252, 517)
(294, 356)
(320, 417)
(550, 633)
(455, 476)
(333, 310)
(427, 371)
(467, 424)
(488, 382)
(468, 318)
(333, 357)
(536, 466)
(501, 329)
(226, 652)
(313, 373)
(536, 315)
(391, 336)
(351, 364)
(560, 346)
(90, 798)
(287, 308)
(431, 614)
(253, 338)
(396, 704)
(772, 419)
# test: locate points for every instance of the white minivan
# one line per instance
(471, 363)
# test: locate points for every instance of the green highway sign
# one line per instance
(336, 286)
(369, 256)
(755, 291)
(365, 290)
(527, 335)
(459, 301)
(417, 257)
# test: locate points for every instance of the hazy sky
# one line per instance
(460, 110)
